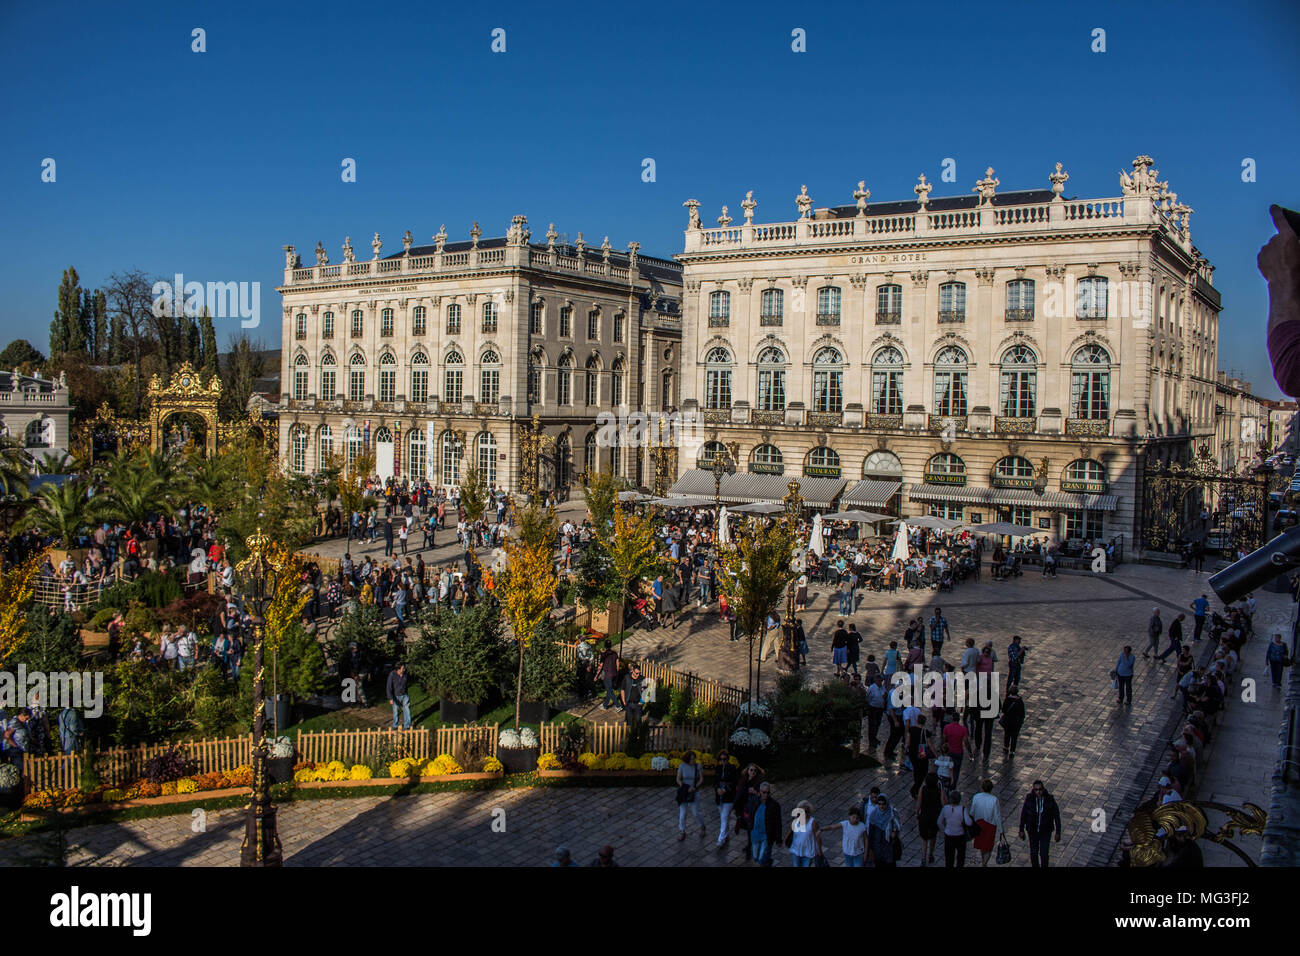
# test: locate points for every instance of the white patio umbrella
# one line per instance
(861, 517)
(1004, 528)
(724, 529)
(933, 523)
(900, 552)
(817, 544)
(759, 508)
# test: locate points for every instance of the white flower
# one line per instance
(760, 709)
(509, 739)
(9, 776)
(659, 763)
(281, 747)
(528, 738)
(740, 738)
(759, 739)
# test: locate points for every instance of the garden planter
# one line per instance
(519, 759)
(91, 638)
(535, 712)
(280, 769)
(639, 776)
(394, 781)
(456, 712)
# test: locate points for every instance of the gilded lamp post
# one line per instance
(259, 574)
(724, 463)
(787, 659)
(663, 457)
(531, 443)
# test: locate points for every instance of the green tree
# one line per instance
(208, 344)
(633, 549)
(53, 643)
(59, 510)
(21, 354)
(131, 490)
(473, 493)
(601, 490)
(244, 365)
(67, 316)
(117, 348)
(459, 656)
(99, 327)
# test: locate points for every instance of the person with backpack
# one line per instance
(1012, 719)
(956, 823)
(72, 730)
(608, 670)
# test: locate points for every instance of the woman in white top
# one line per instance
(853, 837)
(689, 777)
(805, 836)
(801, 594)
(953, 821)
(984, 808)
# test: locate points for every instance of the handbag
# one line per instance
(1004, 851)
(820, 860)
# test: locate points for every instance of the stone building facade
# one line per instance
(437, 353)
(35, 412)
(994, 356)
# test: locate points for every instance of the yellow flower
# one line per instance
(588, 759)
(337, 765)
(169, 788)
(548, 761)
(675, 762)
(708, 760)
(443, 764)
(186, 785)
(645, 762)
(360, 772)
(114, 794)
(493, 765)
(304, 775)
(735, 762)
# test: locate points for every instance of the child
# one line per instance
(853, 838)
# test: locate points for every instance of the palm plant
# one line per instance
(60, 510)
(54, 463)
(131, 490)
(15, 477)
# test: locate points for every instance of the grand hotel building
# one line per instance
(993, 356)
(440, 352)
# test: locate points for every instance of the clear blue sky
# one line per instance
(207, 163)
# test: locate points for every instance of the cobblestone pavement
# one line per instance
(1092, 754)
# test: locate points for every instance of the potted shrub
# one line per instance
(518, 750)
(547, 679)
(279, 760)
(457, 659)
(10, 786)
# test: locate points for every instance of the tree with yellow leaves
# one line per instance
(285, 609)
(756, 571)
(17, 587)
(633, 549)
(529, 582)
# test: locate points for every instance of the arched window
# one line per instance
(772, 307)
(719, 308)
(952, 302)
(1090, 383)
(945, 465)
(887, 382)
(453, 319)
(489, 317)
(882, 464)
(489, 377)
(300, 326)
(453, 377)
(298, 441)
(417, 455)
(419, 320)
(353, 441)
(828, 381)
(327, 325)
(717, 379)
(1085, 469)
(327, 385)
(771, 379)
(823, 461)
(534, 377)
(1013, 467)
(419, 377)
(564, 380)
(387, 377)
(950, 381)
(616, 383)
(324, 445)
(452, 451)
(589, 458)
(711, 450)
(828, 305)
(383, 435)
(889, 304)
(487, 457)
(1019, 395)
(386, 322)
(357, 378)
(358, 323)
(300, 374)
(767, 460)
(592, 391)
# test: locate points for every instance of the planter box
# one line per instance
(608, 621)
(455, 712)
(535, 712)
(142, 802)
(280, 769)
(519, 759)
(397, 782)
(91, 638)
(655, 775)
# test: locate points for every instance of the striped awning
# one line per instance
(744, 488)
(870, 493)
(1011, 497)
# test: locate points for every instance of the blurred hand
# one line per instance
(1279, 263)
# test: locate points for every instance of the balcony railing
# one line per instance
(490, 328)
(719, 321)
(358, 333)
(1095, 312)
(766, 417)
(889, 318)
(771, 320)
(828, 318)
(300, 335)
(1087, 426)
(1020, 315)
(386, 332)
(717, 416)
(1014, 426)
(884, 421)
(825, 419)
(486, 408)
(952, 315)
(453, 328)
(944, 423)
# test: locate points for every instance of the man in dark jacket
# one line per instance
(768, 823)
(1155, 627)
(724, 788)
(398, 697)
(1013, 718)
(1040, 817)
(608, 673)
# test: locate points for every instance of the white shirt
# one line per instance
(853, 838)
(804, 842)
(984, 806)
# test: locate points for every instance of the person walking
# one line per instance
(875, 710)
(988, 818)
(1040, 818)
(1277, 657)
(805, 836)
(1012, 719)
(1175, 638)
(766, 829)
(954, 820)
(929, 804)
(608, 673)
(853, 836)
(853, 644)
(918, 751)
(1200, 607)
(725, 779)
(1015, 659)
(396, 692)
(388, 537)
(743, 809)
(1123, 674)
(630, 695)
(1155, 627)
(894, 714)
(840, 649)
(957, 739)
(884, 835)
(689, 776)
(938, 631)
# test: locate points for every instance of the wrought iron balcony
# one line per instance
(828, 318)
(825, 419)
(889, 318)
(942, 423)
(717, 416)
(884, 421)
(719, 321)
(952, 315)
(1087, 426)
(1014, 426)
(761, 417)
(771, 320)
(1020, 315)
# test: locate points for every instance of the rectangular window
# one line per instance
(593, 326)
(828, 393)
(944, 510)
(889, 304)
(717, 389)
(1022, 516)
(300, 384)
(327, 326)
(327, 392)
(562, 380)
(593, 388)
(886, 392)
(420, 385)
(490, 380)
(535, 318)
(357, 386)
(358, 324)
(387, 385)
(419, 320)
(386, 322)
(566, 322)
(453, 381)
(1020, 300)
(771, 390)
(1092, 298)
(619, 321)
(952, 302)
(1083, 524)
(950, 393)
(300, 326)
(453, 319)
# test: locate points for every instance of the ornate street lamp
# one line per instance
(259, 575)
(531, 443)
(724, 463)
(1040, 478)
(787, 660)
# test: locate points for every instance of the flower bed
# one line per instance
(653, 765)
(408, 769)
(142, 793)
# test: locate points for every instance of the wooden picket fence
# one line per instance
(609, 738)
(703, 689)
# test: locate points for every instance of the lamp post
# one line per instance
(724, 463)
(531, 443)
(787, 660)
(258, 576)
(661, 454)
